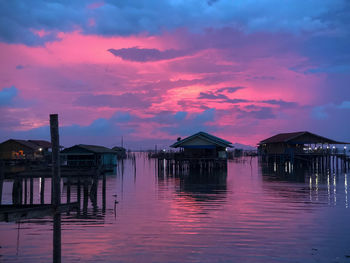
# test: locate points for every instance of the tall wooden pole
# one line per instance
(56, 176)
(56, 187)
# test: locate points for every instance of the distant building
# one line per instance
(14, 149)
(90, 155)
(293, 143)
(121, 152)
(203, 145)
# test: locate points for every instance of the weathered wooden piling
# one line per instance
(56, 187)
(56, 177)
(25, 190)
(31, 190)
(2, 176)
(104, 193)
(68, 189)
(42, 190)
(86, 196)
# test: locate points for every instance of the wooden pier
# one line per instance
(185, 165)
(321, 162)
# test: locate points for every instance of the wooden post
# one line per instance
(86, 196)
(78, 193)
(104, 193)
(2, 172)
(68, 189)
(93, 192)
(57, 238)
(42, 190)
(56, 176)
(25, 190)
(56, 187)
(31, 192)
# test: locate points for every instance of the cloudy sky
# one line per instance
(154, 70)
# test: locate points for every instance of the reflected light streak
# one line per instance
(39, 186)
(310, 188)
(335, 190)
(346, 190)
(328, 189)
(316, 185)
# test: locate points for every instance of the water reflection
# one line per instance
(201, 190)
(83, 191)
(245, 213)
(322, 186)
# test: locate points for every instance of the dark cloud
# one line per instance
(212, 96)
(20, 19)
(220, 97)
(260, 113)
(7, 95)
(146, 54)
(168, 117)
(125, 100)
(230, 89)
(281, 103)
(19, 67)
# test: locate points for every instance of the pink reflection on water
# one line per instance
(247, 215)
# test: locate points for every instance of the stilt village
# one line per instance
(23, 160)
(82, 167)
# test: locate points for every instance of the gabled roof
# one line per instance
(89, 148)
(41, 143)
(205, 136)
(296, 137)
(119, 148)
(24, 143)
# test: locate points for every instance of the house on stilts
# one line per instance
(304, 147)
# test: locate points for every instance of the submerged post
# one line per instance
(56, 189)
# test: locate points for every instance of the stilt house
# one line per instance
(203, 145)
(294, 143)
(90, 155)
(14, 149)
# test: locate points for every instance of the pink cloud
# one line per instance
(78, 78)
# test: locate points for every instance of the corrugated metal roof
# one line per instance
(41, 143)
(205, 136)
(90, 148)
(293, 136)
(25, 143)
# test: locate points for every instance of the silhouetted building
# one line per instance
(90, 155)
(121, 152)
(14, 149)
(294, 143)
(203, 145)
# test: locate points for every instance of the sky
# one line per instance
(151, 71)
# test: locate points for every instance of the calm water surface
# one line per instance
(243, 215)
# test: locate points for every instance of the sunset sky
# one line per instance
(152, 71)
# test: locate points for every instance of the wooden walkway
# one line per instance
(11, 213)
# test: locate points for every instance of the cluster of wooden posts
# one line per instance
(334, 162)
(183, 166)
(23, 191)
(24, 207)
